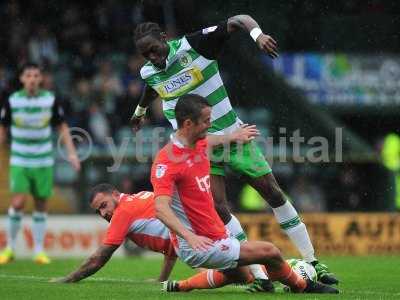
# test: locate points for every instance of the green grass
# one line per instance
(361, 278)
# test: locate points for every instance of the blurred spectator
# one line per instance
(48, 81)
(4, 79)
(98, 125)
(307, 197)
(43, 47)
(74, 30)
(107, 79)
(127, 185)
(132, 72)
(83, 63)
(127, 103)
(82, 98)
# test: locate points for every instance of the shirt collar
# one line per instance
(175, 141)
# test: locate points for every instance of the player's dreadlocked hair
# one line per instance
(147, 28)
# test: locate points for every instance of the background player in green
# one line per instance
(30, 113)
(188, 65)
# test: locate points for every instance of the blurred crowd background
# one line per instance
(89, 60)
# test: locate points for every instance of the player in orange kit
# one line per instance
(184, 203)
(133, 217)
(130, 216)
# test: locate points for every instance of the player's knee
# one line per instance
(18, 203)
(271, 252)
(273, 194)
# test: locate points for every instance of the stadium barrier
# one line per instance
(67, 236)
(332, 234)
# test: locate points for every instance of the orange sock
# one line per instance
(209, 279)
(288, 277)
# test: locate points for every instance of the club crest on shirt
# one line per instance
(160, 170)
(185, 60)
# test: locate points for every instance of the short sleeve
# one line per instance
(118, 228)
(5, 113)
(209, 42)
(164, 175)
(58, 115)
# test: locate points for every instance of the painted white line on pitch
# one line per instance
(101, 279)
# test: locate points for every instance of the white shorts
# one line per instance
(222, 255)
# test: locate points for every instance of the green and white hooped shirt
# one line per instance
(30, 120)
(191, 68)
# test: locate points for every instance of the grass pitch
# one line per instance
(129, 278)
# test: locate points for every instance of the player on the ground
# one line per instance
(188, 66)
(132, 217)
(30, 113)
(181, 180)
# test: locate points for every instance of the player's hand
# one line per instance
(137, 122)
(267, 44)
(198, 242)
(75, 162)
(245, 133)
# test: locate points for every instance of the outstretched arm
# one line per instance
(244, 22)
(168, 265)
(244, 134)
(137, 118)
(94, 263)
(67, 140)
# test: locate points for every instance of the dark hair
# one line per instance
(101, 188)
(29, 65)
(189, 107)
(147, 28)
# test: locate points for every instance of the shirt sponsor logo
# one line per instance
(203, 183)
(180, 84)
(160, 170)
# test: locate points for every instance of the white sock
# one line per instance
(13, 226)
(291, 223)
(39, 220)
(235, 230)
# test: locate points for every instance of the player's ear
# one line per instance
(115, 194)
(187, 123)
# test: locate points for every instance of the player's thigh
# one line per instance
(222, 255)
(258, 252)
(248, 160)
(218, 191)
(42, 182)
(19, 180)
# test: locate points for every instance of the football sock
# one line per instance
(288, 277)
(235, 230)
(38, 230)
(209, 279)
(14, 225)
(291, 223)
